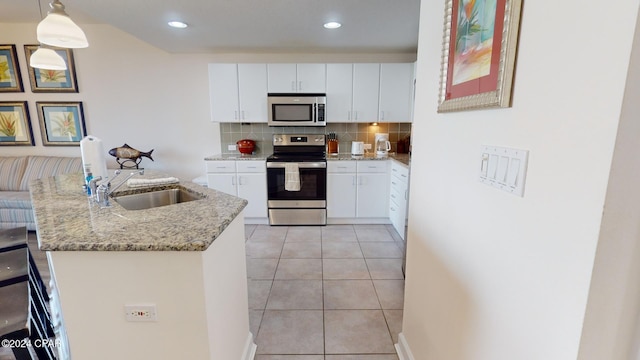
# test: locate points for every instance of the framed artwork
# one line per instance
(43, 80)
(61, 123)
(15, 126)
(478, 54)
(10, 80)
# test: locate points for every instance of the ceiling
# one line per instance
(247, 26)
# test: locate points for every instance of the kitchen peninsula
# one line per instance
(182, 264)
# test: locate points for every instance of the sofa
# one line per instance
(15, 175)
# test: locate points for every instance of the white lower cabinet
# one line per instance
(398, 193)
(341, 189)
(373, 189)
(244, 178)
(358, 189)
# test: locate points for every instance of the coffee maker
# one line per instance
(382, 144)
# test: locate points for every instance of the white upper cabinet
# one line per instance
(238, 92)
(352, 92)
(396, 92)
(223, 92)
(312, 78)
(360, 92)
(366, 82)
(339, 92)
(292, 78)
(252, 92)
(282, 78)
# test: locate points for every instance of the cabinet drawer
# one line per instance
(341, 166)
(250, 166)
(399, 171)
(221, 166)
(398, 184)
(373, 166)
(398, 197)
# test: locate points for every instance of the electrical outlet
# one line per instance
(367, 146)
(140, 312)
(232, 147)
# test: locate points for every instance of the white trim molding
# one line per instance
(249, 348)
(402, 348)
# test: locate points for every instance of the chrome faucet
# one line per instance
(104, 190)
(93, 184)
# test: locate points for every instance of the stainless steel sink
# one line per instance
(154, 199)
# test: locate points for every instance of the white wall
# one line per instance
(491, 275)
(135, 93)
(611, 324)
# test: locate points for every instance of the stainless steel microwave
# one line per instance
(297, 109)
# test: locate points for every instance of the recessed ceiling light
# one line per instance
(332, 25)
(177, 24)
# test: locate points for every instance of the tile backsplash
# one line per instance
(345, 132)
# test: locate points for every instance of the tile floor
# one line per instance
(330, 292)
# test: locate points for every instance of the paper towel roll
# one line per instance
(93, 160)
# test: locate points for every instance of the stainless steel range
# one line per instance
(297, 180)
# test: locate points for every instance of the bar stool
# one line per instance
(24, 316)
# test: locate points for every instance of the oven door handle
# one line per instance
(301, 165)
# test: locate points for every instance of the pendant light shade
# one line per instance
(48, 59)
(57, 29)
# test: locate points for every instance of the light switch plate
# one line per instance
(503, 168)
(231, 147)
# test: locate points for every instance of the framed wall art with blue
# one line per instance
(61, 123)
(53, 81)
(10, 80)
(15, 126)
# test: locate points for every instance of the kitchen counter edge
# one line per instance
(236, 157)
(67, 220)
(404, 159)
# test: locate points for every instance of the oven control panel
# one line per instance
(294, 140)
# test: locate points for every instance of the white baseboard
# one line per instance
(357, 221)
(402, 348)
(256, 221)
(249, 348)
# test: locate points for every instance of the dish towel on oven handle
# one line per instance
(291, 177)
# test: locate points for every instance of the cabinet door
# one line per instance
(253, 188)
(281, 78)
(311, 78)
(223, 182)
(341, 195)
(366, 82)
(339, 92)
(223, 92)
(397, 217)
(252, 90)
(395, 92)
(373, 195)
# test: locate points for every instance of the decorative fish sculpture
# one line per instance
(127, 152)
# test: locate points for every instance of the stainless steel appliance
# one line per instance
(308, 205)
(297, 109)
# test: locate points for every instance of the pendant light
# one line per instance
(57, 29)
(48, 59)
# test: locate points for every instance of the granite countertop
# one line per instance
(258, 156)
(402, 158)
(67, 219)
